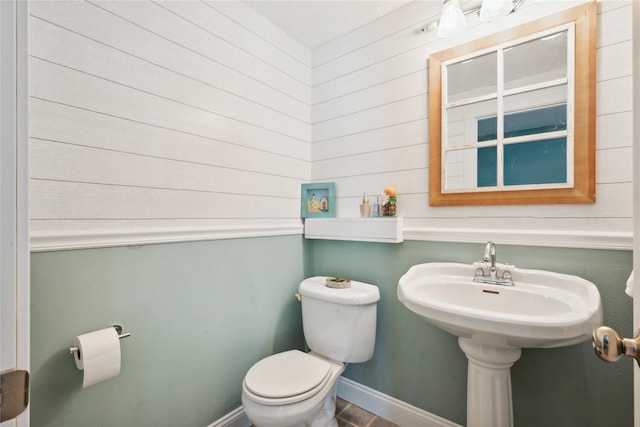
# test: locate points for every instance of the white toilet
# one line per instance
(296, 389)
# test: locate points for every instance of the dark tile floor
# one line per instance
(350, 415)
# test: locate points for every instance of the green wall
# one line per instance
(421, 365)
(200, 314)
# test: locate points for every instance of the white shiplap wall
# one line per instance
(370, 130)
(154, 120)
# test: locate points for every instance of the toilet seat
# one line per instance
(286, 378)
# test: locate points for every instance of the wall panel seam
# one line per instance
(616, 43)
(371, 64)
(164, 127)
(170, 159)
(383, 172)
(249, 29)
(172, 100)
(150, 187)
(370, 130)
(611, 79)
(361, 153)
(373, 107)
(381, 83)
(423, 45)
(180, 73)
(197, 26)
(378, 40)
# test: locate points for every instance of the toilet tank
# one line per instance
(339, 323)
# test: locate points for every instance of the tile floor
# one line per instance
(350, 415)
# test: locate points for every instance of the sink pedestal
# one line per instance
(493, 322)
(489, 383)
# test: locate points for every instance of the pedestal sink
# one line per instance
(494, 322)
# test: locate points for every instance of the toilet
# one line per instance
(297, 389)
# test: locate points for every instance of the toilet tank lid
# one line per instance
(358, 294)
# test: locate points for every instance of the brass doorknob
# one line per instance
(609, 346)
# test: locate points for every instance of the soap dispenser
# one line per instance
(376, 208)
(365, 207)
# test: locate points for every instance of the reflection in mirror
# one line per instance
(461, 128)
(512, 116)
(533, 105)
(471, 78)
(537, 61)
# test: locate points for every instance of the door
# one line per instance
(14, 251)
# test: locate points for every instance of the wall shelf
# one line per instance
(385, 230)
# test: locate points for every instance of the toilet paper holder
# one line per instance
(118, 328)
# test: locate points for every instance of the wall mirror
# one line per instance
(512, 115)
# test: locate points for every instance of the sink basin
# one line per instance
(543, 309)
(493, 322)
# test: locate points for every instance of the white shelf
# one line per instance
(385, 230)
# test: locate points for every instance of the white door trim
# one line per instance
(14, 218)
(636, 202)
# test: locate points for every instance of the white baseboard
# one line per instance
(235, 418)
(385, 406)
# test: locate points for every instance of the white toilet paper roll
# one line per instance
(98, 355)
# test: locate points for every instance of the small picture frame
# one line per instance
(318, 200)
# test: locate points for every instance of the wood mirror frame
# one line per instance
(583, 190)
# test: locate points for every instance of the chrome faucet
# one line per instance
(492, 277)
(490, 256)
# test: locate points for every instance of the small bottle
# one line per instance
(376, 208)
(365, 207)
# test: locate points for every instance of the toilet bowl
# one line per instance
(292, 389)
(297, 389)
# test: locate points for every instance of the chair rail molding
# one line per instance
(550, 238)
(55, 241)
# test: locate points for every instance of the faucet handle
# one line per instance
(481, 264)
(482, 267)
(506, 267)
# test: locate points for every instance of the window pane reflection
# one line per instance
(472, 78)
(523, 65)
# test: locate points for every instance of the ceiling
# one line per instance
(315, 22)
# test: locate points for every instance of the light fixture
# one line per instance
(452, 19)
(495, 9)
